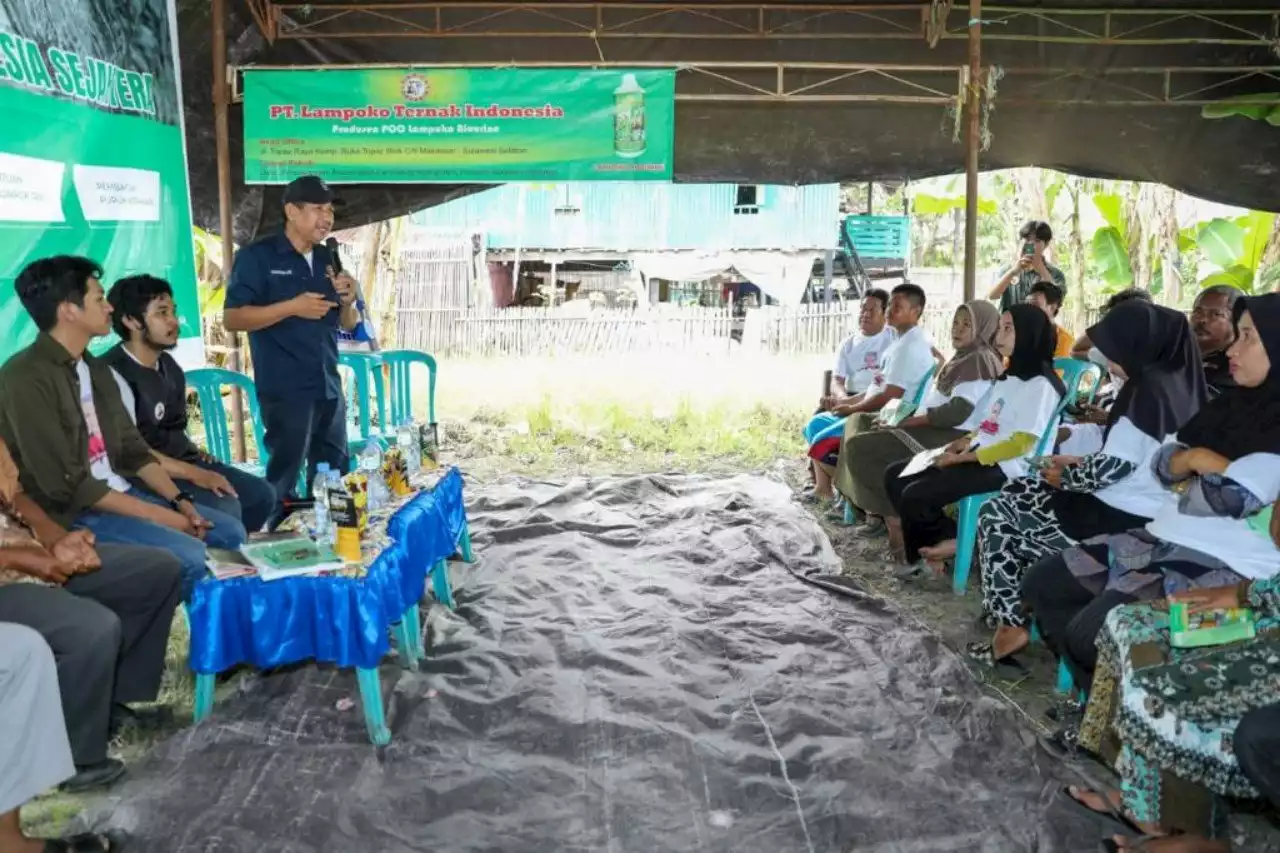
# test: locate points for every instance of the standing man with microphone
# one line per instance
(289, 294)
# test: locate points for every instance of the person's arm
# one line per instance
(947, 416)
(50, 464)
(1093, 473)
(74, 549)
(870, 404)
(1018, 444)
(194, 474)
(1080, 349)
(839, 387)
(1189, 462)
(938, 358)
(1010, 275)
(246, 310)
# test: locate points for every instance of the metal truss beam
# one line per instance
(730, 21)
(939, 85)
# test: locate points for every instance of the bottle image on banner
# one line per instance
(628, 118)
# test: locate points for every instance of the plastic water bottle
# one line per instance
(407, 441)
(320, 491)
(371, 467)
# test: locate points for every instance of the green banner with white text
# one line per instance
(455, 125)
(92, 159)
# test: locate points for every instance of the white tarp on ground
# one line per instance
(781, 275)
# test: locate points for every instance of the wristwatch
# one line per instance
(176, 501)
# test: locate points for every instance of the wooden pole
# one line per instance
(221, 104)
(973, 142)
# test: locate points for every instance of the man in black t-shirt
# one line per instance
(154, 389)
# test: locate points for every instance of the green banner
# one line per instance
(407, 125)
(92, 160)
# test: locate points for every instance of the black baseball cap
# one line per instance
(310, 189)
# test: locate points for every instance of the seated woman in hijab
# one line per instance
(1002, 432)
(1111, 491)
(1180, 723)
(959, 386)
(1220, 469)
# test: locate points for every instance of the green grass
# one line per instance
(541, 439)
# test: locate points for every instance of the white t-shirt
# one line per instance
(1082, 440)
(1012, 406)
(1140, 493)
(1247, 552)
(972, 391)
(99, 462)
(861, 358)
(906, 361)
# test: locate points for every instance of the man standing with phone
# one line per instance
(287, 293)
(1016, 282)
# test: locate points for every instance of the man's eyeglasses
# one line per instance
(1210, 314)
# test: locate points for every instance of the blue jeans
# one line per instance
(254, 500)
(227, 533)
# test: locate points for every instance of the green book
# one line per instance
(1211, 628)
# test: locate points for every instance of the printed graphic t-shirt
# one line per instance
(99, 462)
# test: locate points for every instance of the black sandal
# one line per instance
(1006, 667)
(89, 842)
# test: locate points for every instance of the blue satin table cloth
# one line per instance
(335, 619)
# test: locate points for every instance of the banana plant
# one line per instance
(1110, 243)
(1238, 249)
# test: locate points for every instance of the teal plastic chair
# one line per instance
(1081, 378)
(366, 370)
(850, 518)
(400, 363)
(968, 507)
(208, 383)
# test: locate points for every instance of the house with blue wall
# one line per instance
(574, 238)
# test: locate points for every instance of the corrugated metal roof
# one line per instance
(642, 216)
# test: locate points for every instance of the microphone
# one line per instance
(332, 244)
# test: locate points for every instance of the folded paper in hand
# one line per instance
(921, 461)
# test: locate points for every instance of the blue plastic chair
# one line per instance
(208, 383)
(400, 363)
(366, 369)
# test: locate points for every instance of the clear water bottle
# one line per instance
(320, 513)
(407, 441)
(371, 467)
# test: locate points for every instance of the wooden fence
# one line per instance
(579, 330)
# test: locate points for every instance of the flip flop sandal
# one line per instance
(1006, 667)
(90, 842)
(1112, 813)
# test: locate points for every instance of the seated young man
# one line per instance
(859, 361)
(104, 609)
(1047, 296)
(906, 361)
(75, 446)
(154, 389)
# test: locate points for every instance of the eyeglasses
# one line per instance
(1210, 314)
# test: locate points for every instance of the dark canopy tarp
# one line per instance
(1234, 160)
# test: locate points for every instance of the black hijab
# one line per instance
(1158, 352)
(1240, 421)
(1035, 340)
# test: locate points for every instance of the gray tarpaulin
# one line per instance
(632, 667)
